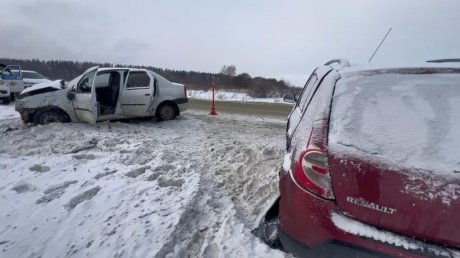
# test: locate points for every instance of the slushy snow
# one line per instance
(191, 187)
(363, 230)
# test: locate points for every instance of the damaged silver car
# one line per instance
(103, 94)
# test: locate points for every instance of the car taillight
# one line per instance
(312, 171)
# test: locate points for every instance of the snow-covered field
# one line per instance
(192, 187)
(229, 96)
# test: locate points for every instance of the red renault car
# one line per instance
(372, 166)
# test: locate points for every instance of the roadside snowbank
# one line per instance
(229, 96)
(7, 111)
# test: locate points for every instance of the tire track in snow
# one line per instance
(239, 166)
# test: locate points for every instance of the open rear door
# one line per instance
(84, 103)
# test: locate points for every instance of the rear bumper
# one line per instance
(306, 228)
(182, 104)
(327, 249)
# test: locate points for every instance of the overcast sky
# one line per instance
(281, 39)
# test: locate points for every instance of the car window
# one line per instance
(7, 72)
(84, 86)
(102, 80)
(312, 81)
(138, 80)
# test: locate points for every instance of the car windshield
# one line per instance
(31, 75)
(73, 82)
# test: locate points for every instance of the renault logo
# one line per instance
(370, 205)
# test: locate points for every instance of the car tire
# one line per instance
(49, 116)
(6, 101)
(166, 112)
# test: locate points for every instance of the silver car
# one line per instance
(103, 94)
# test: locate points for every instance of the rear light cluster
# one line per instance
(312, 170)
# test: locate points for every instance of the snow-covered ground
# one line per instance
(229, 96)
(185, 188)
(7, 111)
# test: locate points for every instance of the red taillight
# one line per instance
(312, 171)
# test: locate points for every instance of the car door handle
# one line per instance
(147, 94)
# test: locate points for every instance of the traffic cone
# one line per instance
(213, 105)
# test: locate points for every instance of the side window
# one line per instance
(7, 72)
(307, 91)
(84, 86)
(102, 80)
(138, 80)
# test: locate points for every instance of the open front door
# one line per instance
(84, 103)
(11, 76)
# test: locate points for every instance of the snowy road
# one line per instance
(192, 187)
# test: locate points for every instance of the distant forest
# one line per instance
(227, 79)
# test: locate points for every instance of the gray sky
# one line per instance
(281, 39)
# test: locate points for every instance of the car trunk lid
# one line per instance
(394, 151)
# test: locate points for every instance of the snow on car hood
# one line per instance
(403, 120)
(53, 85)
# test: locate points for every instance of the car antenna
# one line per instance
(375, 52)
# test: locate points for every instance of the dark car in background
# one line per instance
(373, 164)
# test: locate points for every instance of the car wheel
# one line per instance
(45, 117)
(267, 230)
(166, 112)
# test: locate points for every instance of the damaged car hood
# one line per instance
(42, 88)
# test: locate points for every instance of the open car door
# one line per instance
(84, 102)
(11, 76)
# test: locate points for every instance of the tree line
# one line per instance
(227, 79)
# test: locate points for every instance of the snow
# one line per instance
(287, 162)
(410, 121)
(357, 228)
(363, 230)
(402, 121)
(7, 111)
(191, 187)
(229, 96)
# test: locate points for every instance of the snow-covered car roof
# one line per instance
(353, 68)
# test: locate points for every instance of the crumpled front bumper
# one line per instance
(26, 114)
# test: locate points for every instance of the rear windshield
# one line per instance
(408, 120)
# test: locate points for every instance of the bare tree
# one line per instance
(228, 70)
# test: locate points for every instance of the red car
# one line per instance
(372, 166)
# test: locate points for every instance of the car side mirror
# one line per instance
(290, 98)
(71, 95)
